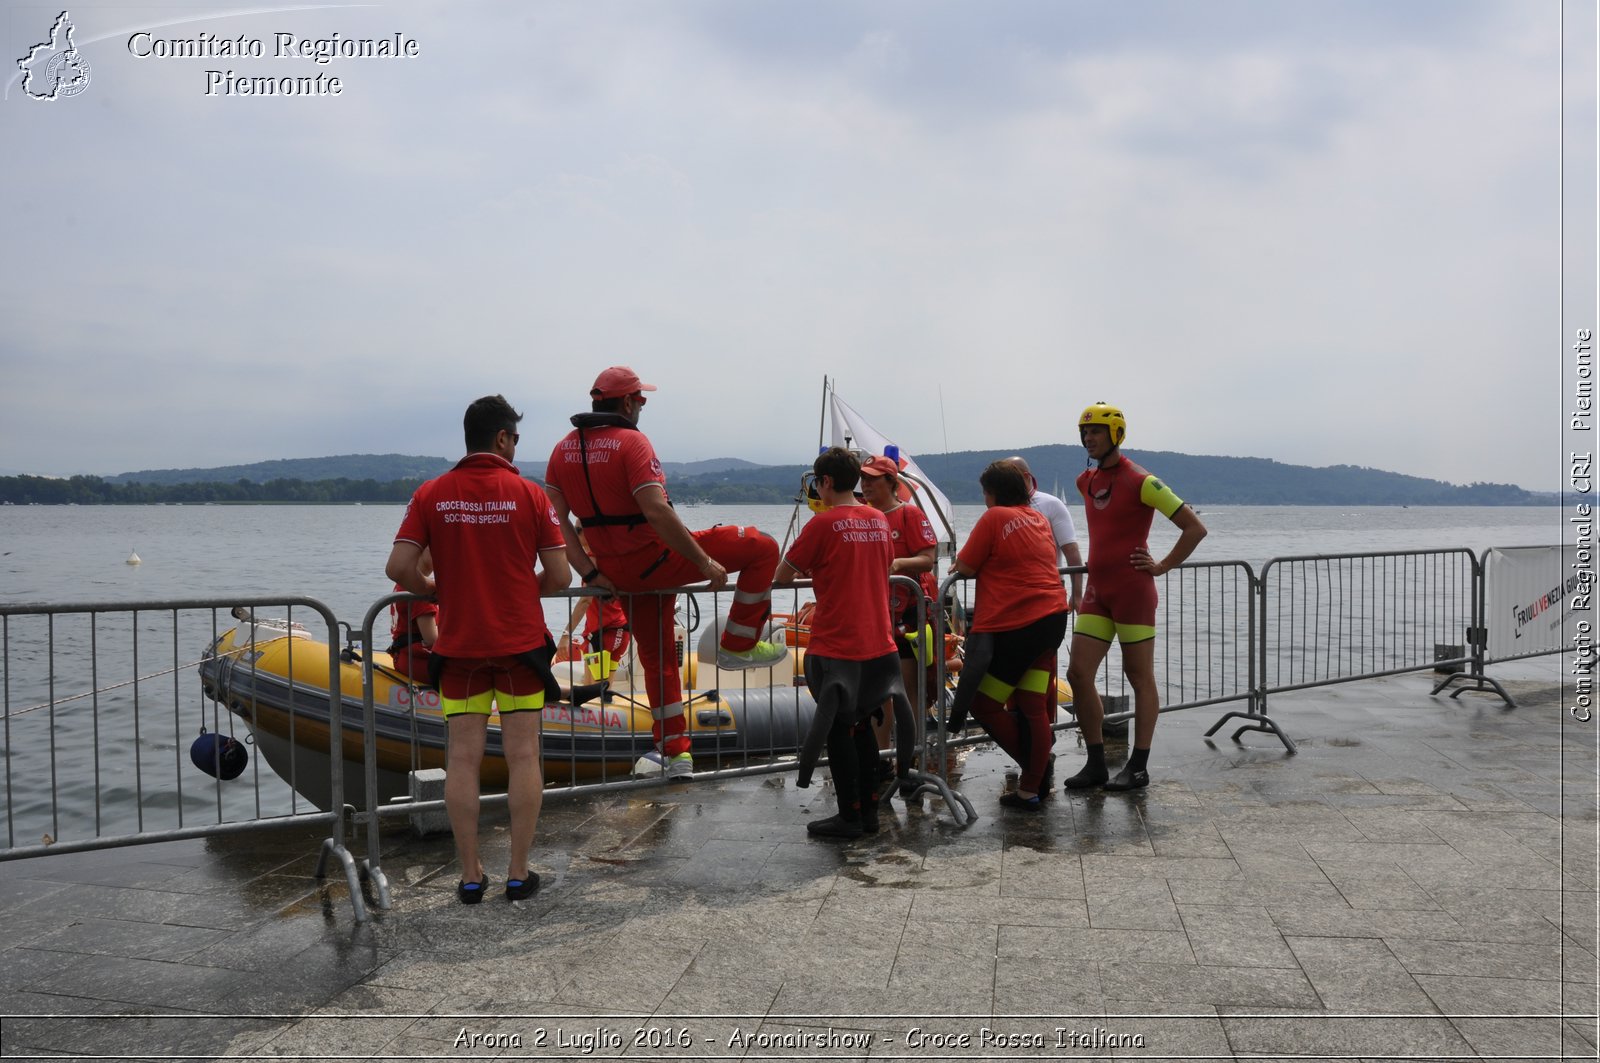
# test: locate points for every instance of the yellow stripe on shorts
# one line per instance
(483, 703)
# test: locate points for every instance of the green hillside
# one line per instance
(1201, 479)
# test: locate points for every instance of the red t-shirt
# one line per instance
(846, 552)
(610, 615)
(403, 616)
(621, 461)
(910, 533)
(1014, 553)
(487, 526)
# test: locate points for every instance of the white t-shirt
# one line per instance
(1059, 516)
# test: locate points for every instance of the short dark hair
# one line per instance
(1006, 484)
(607, 405)
(840, 466)
(487, 418)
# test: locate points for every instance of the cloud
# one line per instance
(1318, 214)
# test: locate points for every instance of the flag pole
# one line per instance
(822, 421)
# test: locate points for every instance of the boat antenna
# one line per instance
(800, 499)
(822, 420)
(943, 427)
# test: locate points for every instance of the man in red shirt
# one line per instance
(488, 531)
(606, 474)
(851, 665)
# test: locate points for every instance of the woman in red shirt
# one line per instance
(1022, 604)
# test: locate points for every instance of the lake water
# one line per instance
(106, 750)
(336, 554)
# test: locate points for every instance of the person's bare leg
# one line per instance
(468, 731)
(519, 737)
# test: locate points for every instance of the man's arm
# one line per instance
(402, 568)
(1190, 530)
(1074, 558)
(652, 499)
(786, 574)
(554, 572)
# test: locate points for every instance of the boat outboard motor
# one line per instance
(218, 755)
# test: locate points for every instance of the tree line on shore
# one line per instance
(1200, 479)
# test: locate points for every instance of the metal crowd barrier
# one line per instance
(1478, 640)
(101, 710)
(99, 718)
(1206, 632)
(1329, 619)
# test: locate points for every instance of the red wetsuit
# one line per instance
(1120, 502)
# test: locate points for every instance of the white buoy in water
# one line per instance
(133, 558)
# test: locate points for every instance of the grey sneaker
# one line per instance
(761, 655)
(680, 766)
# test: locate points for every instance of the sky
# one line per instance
(1326, 232)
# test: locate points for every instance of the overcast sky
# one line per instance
(1320, 232)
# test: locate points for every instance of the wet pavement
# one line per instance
(1419, 882)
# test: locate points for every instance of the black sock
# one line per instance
(1137, 758)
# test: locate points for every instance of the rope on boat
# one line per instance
(126, 683)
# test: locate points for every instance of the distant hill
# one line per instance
(1201, 479)
(1197, 478)
(383, 468)
(380, 467)
(1234, 481)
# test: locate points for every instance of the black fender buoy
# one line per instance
(218, 755)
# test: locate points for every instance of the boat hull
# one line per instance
(278, 686)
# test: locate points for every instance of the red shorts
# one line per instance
(477, 684)
(1118, 608)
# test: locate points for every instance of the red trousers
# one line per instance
(751, 553)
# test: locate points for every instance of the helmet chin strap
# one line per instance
(1100, 462)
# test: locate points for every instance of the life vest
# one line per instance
(599, 519)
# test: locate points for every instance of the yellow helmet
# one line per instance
(808, 493)
(1110, 416)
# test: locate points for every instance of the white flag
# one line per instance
(847, 423)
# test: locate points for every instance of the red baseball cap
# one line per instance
(880, 466)
(616, 382)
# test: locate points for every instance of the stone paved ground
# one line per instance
(1418, 882)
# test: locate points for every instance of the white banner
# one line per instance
(1527, 600)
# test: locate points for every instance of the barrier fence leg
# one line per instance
(352, 874)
